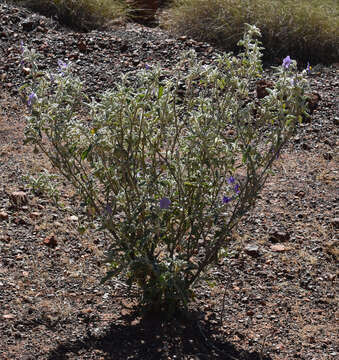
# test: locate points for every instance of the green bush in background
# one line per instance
(306, 29)
(79, 14)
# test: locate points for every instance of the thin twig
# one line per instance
(222, 309)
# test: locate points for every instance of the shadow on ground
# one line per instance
(132, 337)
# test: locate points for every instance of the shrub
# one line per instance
(306, 29)
(79, 14)
(169, 162)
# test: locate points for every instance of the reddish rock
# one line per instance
(279, 248)
(3, 215)
(50, 241)
(34, 215)
(262, 85)
(335, 222)
(312, 102)
(20, 221)
(82, 46)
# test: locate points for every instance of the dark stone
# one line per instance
(328, 156)
(279, 236)
(30, 24)
(335, 222)
(262, 85)
(252, 250)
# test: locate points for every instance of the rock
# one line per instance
(18, 198)
(328, 155)
(312, 101)
(73, 218)
(279, 236)
(262, 85)
(335, 223)
(50, 241)
(252, 250)
(34, 215)
(5, 238)
(330, 277)
(306, 146)
(3, 215)
(42, 29)
(20, 221)
(30, 24)
(278, 248)
(82, 46)
(86, 311)
(26, 70)
(8, 316)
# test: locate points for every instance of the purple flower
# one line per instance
(22, 47)
(164, 203)
(226, 199)
(237, 188)
(32, 98)
(62, 66)
(231, 180)
(108, 210)
(147, 67)
(277, 155)
(286, 62)
(308, 68)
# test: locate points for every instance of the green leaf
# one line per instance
(211, 284)
(23, 87)
(86, 152)
(190, 184)
(72, 149)
(81, 230)
(161, 91)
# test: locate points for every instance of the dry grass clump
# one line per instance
(79, 14)
(305, 29)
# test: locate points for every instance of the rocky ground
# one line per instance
(275, 295)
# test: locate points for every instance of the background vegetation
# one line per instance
(79, 14)
(307, 30)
